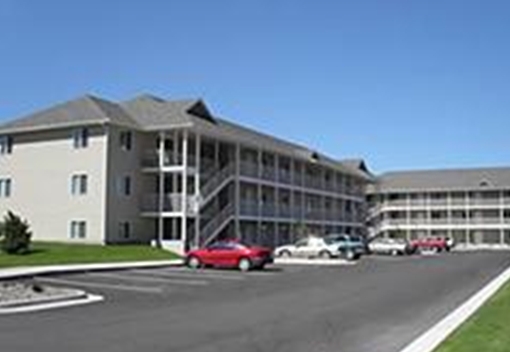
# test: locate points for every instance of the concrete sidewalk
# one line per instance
(27, 271)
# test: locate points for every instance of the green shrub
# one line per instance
(15, 234)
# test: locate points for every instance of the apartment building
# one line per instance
(149, 169)
(470, 205)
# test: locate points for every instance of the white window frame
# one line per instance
(125, 229)
(5, 145)
(79, 184)
(78, 229)
(126, 140)
(81, 138)
(5, 187)
(125, 185)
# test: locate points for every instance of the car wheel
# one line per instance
(394, 252)
(350, 255)
(193, 262)
(244, 264)
(324, 255)
(285, 253)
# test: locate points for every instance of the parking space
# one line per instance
(380, 304)
(180, 279)
(159, 280)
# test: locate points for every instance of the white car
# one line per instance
(309, 247)
(391, 246)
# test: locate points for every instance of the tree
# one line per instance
(15, 234)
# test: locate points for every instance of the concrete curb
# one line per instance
(305, 261)
(20, 272)
(87, 299)
(428, 341)
(66, 296)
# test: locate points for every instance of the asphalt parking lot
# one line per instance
(381, 304)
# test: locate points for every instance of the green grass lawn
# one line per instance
(45, 253)
(486, 331)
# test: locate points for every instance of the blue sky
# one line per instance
(402, 83)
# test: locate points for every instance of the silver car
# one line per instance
(309, 247)
(393, 246)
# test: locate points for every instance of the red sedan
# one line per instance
(437, 244)
(230, 254)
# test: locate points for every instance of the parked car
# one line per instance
(350, 246)
(450, 242)
(231, 254)
(393, 246)
(436, 244)
(309, 247)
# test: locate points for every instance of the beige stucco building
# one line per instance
(148, 169)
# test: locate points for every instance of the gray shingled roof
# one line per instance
(154, 113)
(448, 179)
(151, 113)
(78, 112)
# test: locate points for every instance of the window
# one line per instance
(79, 184)
(124, 186)
(5, 145)
(125, 140)
(78, 229)
(5, 187)
(124, 229)
(80, 138)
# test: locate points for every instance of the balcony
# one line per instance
(268, 173)
(268, 210)
(485, 221)
(457, 201)
(249, 208)
(484, 201)
(150, 159)
(396, 203)
(284, 211)
(284, 176)
(435, 202)
(172, 203)
(401, 221)
(249, 169)
(418, 202)
(312, 182)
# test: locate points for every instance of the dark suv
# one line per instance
(351, 246)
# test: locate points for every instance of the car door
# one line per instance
(302, 248)
(216, 254)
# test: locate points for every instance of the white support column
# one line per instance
(259, 190)
(467, 202)
(292, 189)
(501, 218)
(408, 216)
(175, 178)
(197, 189)
(184, 191)
(161, 189)
(237, 190)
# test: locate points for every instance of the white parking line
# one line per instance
(101, 285)
(149, 279)
(44, 306)
(188, 274)
(315, 261)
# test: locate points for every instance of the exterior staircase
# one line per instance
(214, 226)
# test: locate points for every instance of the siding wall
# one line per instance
(41, 166)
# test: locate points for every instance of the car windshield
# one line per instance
(330, 240)
(226, 245)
